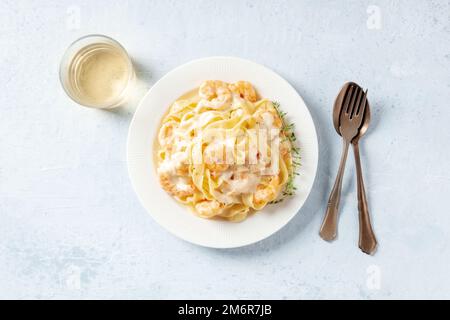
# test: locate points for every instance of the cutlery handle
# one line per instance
(328, 231)
(367, 240)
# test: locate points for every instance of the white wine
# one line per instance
(98, 74)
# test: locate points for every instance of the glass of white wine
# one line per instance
(96, 71)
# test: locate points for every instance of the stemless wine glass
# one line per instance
(96, 71)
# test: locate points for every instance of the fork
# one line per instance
(350, 121)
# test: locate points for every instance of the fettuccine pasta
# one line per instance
(222, 151)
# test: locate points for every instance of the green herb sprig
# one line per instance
(288, 131)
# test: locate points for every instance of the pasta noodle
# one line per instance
(222, 152)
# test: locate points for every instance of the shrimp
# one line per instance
(285, 147)
(209, 208)
(166, 132)
(215, 94)
(217, 103)
(244, 90)
(266, 193)
(214, 156)
(212, 89)
(269, 119)
(182, 170)
(180, 190)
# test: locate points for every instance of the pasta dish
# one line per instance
(224, 152)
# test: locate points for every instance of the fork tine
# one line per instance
(362, 108)
(363, 104)
(355, 101)
(348, 97)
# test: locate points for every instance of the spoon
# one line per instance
(367, 240)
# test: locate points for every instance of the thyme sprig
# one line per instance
(288, 130)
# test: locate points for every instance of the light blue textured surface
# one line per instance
(71, 226)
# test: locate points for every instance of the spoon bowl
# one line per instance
(337, 108)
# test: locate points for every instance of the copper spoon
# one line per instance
(367, 239)
(353, 101)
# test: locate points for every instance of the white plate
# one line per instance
(178, 219)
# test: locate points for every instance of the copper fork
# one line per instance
(351, 118)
